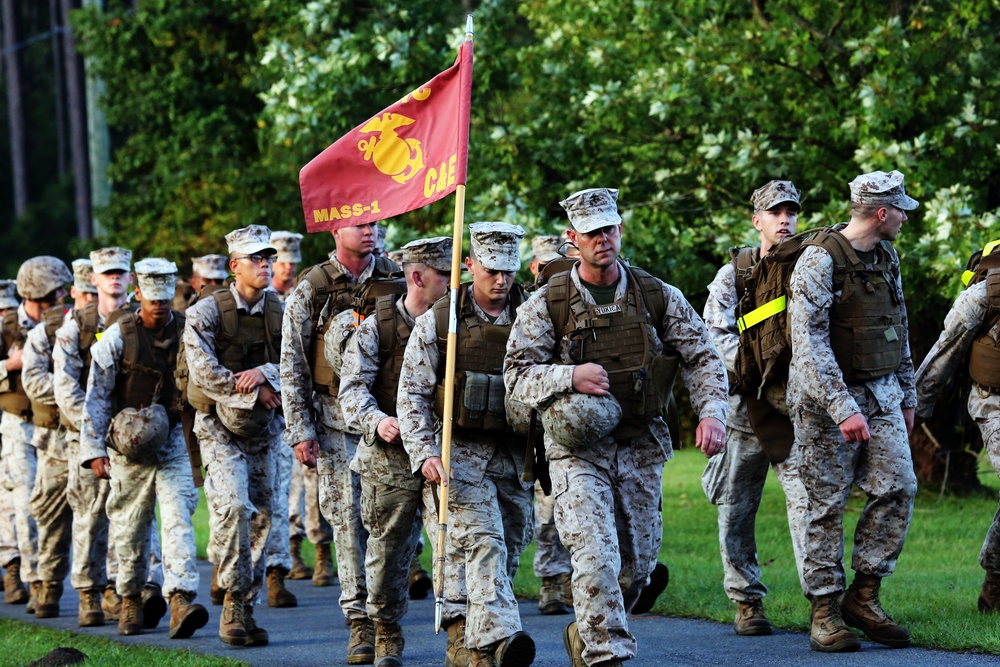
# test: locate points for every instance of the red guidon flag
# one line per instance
(411, 154)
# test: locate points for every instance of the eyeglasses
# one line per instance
(259, 259)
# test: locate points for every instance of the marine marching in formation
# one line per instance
(314, 406)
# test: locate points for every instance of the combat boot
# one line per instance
(518, 650)
(185, 615)
(35, 587)
(989, 596)
(658, 580)
(361, 645)
(323, 573)
(130, 619)
(862, 609)
(154, 607)
(420, 580)
(47, 605)
(256, 635)
(111, 603)
(567, 588)
(299, 569)
(14, 591)
(90, 614)
(388, 644)
(574, 645)
(751, 621)
(277, 594)
(550, 597)
(232, 626)
(215, 593)
(829, 634)
(456, 655)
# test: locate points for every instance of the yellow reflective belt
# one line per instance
(758, 315)
(987, 249)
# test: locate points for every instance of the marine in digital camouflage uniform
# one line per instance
(14, 589)
(607, 490)
(149, 461)
(853, 431)
(391, 493)
(205, 270)
(734, 478)
(490, 509)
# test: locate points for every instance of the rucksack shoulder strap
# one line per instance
(743, 259)
(652, 296)
(390, 331)
(53, 318)
(229, 315)
(130, 338)
(557, 299)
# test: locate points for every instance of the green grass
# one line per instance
(21, 643)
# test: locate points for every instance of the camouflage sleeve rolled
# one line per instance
(720, 314)
(529, 371)
(36, 367)
(296, 377)
(814, 372)
(203, 321)
(415, 399)
(904, 372)
(702, 368)
(68, 369)
(105, 357)
(357, 374)
(950, 352)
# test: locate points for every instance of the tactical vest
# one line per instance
(244, 342)
(866, 323)
(147, 366)
(46, 415)
(393, 333)
(619, 336)
(479, 388)
(984, 354)
(16, 400)
(332, 286)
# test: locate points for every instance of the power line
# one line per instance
(31, 40)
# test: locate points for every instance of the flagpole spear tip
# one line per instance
(468, 26)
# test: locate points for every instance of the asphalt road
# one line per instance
(314, 633)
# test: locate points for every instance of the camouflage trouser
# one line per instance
(389, 514)
(135, 489)
(455, 593)
(279, 554)
(828, 467)
(20, 537)
(491, 523)
(734, 481)
(239, 488)
(989, 556)
(340, 502)
(305, 521)
(551, 557)
(52, 513)
(611, 522)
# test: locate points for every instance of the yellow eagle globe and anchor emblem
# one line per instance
(391, 154)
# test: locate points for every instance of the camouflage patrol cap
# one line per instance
(212, 267)
(546, 248)
(82, 268)
(288, 245)
(8, 297)
(881, 189)
(111, 259)
(244, 423)
(250, 240)
(577, 420)
(156, 278)
(592, 209)
(768, 196)
(396, 257)
(435, 252)
(380, 234)
(42, 275)
(140, 433)
(495, 245)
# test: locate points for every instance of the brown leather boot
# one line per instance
(14, 591)
(48, 600)
(215, 593)
(574, 645)
(277, 594)
(111, 603)
(256, 635)
(456, 655)
(751, 621)
(130, 619)
(361, 645)
(567, 587)
(154, 606)
(989, 596)
(518, 650)
(550, 597)
(388, 644)
(829, 634)
(299, 569)
(35, 589)
(323, 573)
(862, 609)
(420, 580)
(185, 615)
(232, 628)
(90, 614)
